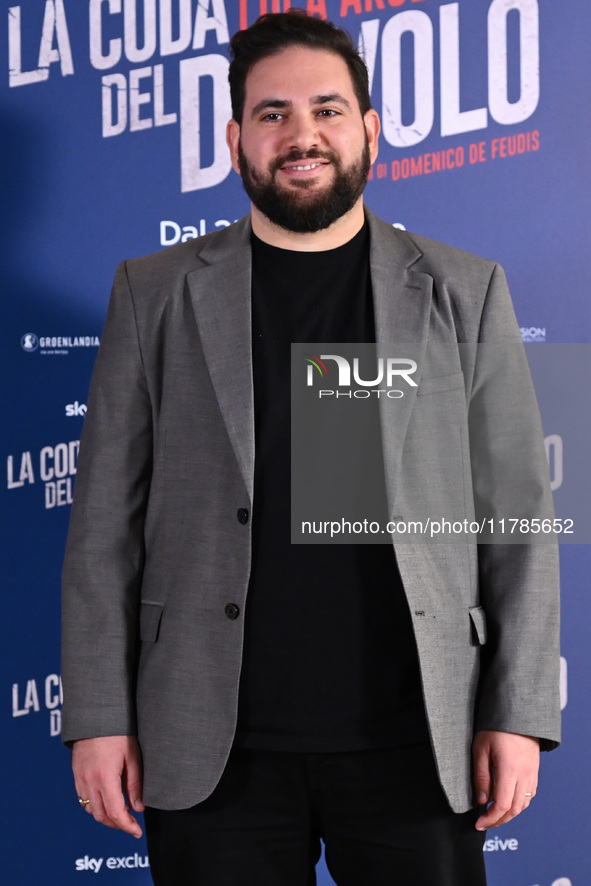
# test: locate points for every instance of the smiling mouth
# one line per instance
(303, 162)
(302, 167)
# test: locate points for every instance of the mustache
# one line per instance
(295, 156)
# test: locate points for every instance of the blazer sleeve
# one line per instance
(518, 573)
(105, 547)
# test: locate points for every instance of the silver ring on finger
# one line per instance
(529, 795)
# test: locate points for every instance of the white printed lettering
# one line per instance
(395, 132)
(217, 22)
(501, 109)
(55, 28)
(194, 176)
(26, 474)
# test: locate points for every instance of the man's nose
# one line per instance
(303, 133)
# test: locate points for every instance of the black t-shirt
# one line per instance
(329, 662)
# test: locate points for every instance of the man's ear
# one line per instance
(372, 125)
(232, 140)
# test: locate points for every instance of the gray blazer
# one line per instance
(156, 553)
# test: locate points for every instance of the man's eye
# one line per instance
(273, 116)
(327, 112)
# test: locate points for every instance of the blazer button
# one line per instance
(242, 514)
(232, 611)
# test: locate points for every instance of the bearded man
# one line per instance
(260, 696)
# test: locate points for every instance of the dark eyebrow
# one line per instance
(332, 98)
(278, 104)
(275, 103)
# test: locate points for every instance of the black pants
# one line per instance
(381, 813)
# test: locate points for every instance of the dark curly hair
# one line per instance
(275, 31)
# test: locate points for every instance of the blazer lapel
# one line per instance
(221, 297)
(402, 308)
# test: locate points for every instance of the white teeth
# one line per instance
(310, 166)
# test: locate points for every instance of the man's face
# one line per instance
(303, 149)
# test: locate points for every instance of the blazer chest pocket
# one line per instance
(150, 618)
(478, 619)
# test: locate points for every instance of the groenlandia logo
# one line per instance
(29, 342)
(387, 372)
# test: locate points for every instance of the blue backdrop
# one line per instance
(113, 115)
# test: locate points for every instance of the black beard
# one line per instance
(307, 213)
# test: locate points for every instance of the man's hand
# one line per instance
(103, 769)
(506, 773)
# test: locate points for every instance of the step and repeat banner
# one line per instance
(113, 116)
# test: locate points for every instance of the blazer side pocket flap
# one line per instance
(439, 383)
(150, 618)
(478, 618)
